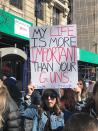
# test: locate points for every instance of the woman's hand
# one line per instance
(31, 88)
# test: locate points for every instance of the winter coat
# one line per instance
(12, 120)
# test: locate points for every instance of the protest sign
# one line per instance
(53, 56)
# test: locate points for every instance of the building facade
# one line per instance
(84, 14)
(41, 12)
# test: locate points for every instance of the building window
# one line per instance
(39, 9)
(56, 16)
(70, 16)
(16, 3)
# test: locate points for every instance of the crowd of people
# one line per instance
(49, 109)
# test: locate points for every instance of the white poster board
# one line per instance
(53, 56)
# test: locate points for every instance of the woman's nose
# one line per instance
(49, 98)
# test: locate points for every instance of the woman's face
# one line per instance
(62, 92)
(80, 84)
(50, 100)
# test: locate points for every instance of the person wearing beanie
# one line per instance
(48, 116)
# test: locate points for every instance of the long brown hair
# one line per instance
(4, 98)
(57, 106)
(84, 90)
(68, 100)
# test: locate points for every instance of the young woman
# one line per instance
(48, 116)
(92, 103)
(68, 100)
(9, 114)
(81, 90)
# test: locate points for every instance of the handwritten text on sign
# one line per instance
(53, 56)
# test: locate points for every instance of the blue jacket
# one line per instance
(56, 122)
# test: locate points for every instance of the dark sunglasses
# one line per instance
(52, 96)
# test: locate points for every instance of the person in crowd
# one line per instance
(81, 122)
(81, 90)
(48, 116)
(92, 103)
(62, 92)
(68, 100)
(9, 114)
(14, 91)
